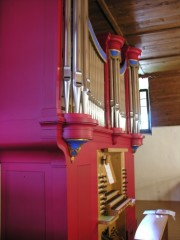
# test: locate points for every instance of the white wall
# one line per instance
(157, 165)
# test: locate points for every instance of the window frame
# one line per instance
(149, 129)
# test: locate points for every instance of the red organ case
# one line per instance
(69, 125)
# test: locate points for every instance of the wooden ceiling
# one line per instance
(151, 25)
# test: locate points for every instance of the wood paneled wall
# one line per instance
(165, 99)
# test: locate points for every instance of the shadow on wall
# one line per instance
(164, 190)
(174, 193)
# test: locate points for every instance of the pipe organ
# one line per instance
(109, 95)
(67, 160)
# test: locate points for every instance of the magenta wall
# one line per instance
(29, 58)
(33, 195)
(34, 192)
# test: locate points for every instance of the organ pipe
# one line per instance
(77, 54)
(67, 55)
(86, 77)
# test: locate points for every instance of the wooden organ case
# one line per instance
(67, 161)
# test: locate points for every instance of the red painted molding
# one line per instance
(136, 141)
(133, 53)
(116, 42)
(78, 126)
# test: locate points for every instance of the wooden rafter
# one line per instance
(110, 17)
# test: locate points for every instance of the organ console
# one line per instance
(112, 193)
(68, 170)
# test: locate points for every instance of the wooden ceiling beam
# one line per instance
(153, 30)
(110, 17)
(160, 57)
(169, 73)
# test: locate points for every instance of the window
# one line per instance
(145, 122)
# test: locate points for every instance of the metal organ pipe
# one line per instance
(133, 82)
(122, 103)
(77, 55)
(116, 90)
(86, 80)
(133, 66)
(136, 100)
(111, 93)
(67, 55)
(130, 100)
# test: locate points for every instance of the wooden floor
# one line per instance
(173, 226)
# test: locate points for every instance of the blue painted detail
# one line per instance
(75, 145)
(134, 148)
(114, 53)
(99, 49)
(133, 62)
(123, 68)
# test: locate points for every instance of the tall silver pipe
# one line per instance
(67, 55)
(77, 68)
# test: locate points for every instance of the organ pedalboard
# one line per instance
(112, 194)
